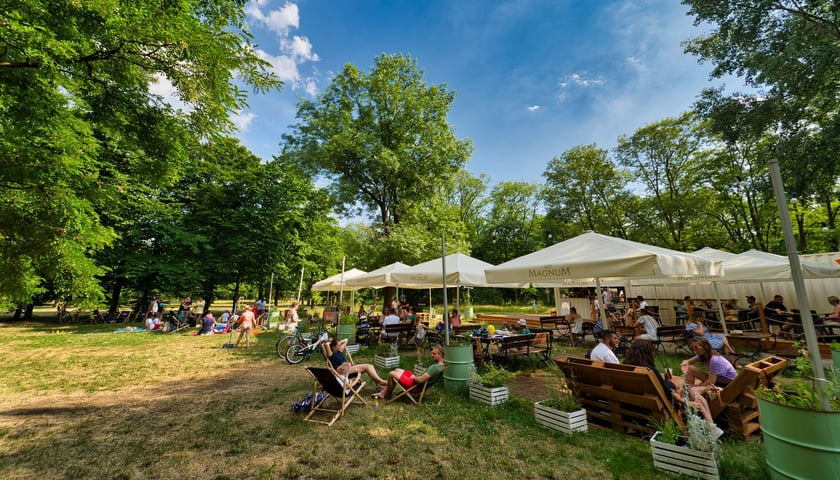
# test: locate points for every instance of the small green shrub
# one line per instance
(669, 431)
(801, 391)
(492, 376)
(564, 403)
(388, 349)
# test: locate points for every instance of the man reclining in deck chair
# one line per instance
(407, 379)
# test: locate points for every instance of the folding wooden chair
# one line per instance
(326, 377)
(417, 392)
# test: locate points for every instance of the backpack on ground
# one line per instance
(306, 403)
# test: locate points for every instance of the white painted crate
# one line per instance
(684, 460)
(488, 395)
(566, 422)
(389, 363)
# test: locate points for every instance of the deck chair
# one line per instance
(417, 392)
(325, 377)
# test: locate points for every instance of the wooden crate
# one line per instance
(566, 422)
(388, 363)
(488, 395)
(684, 460)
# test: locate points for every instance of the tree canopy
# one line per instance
(81, 130)
(381, 138)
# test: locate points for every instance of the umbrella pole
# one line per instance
(799, 284)
(720, 308)
(341, 286)
(300, 284)
(445, 302)
(606, 320)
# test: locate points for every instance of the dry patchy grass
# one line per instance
(88, 403)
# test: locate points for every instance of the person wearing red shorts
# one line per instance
(407, 379)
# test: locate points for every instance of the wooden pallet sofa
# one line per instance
(625, 398)
(629, 398)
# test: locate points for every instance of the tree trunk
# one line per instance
(114, 305)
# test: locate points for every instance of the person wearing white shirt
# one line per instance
(650, 325)
(604, 351)
(391, 319)
(607, 297)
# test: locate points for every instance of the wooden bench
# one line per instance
(559, 326)
(400, 332)
(675, 335)
(622, 397)
(515, 346)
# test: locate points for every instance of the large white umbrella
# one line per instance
(461, 270)
(334, 283)
(595, 257)
(751, 266)
(379, 278)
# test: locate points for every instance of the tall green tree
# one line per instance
(381, 138)
(787, 50)
(514, 223)
(79, 122)
(663, 159)
(584, 191)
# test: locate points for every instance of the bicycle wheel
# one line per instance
(295, 353)
(282, 345)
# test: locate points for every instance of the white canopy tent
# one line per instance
(461, 270)
(379, 278)
(334, 283)
(743, 273)
(595, 257)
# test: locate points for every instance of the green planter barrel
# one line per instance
(459, 367)
(346, 331)
(800, 443)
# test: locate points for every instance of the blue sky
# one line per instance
(533, 78)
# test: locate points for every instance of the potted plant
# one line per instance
(387, 356)
(562, 413)
(346, 328)
(835, 355)
(695, 455)
(800, 437)
(490, 385)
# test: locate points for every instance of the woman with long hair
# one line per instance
(641, 353)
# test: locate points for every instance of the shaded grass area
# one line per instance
(95, 404)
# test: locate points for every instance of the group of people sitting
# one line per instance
(702, 382)
(350, 374)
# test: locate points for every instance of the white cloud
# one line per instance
(300, 48)
(243, 120)
(278, 21)
(284, 66)
(167, 93)
(578, 80)
(310, 86)
(533, 108)
(294, 50)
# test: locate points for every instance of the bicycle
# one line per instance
(297, 352)
(284, 342)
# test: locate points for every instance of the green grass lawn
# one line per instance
(83, 402)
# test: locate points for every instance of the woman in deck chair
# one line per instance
(407, 379)
(335, 354)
